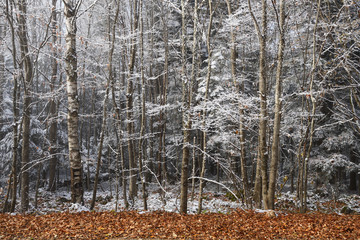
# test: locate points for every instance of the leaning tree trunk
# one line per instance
(27, 68)
(70, 11)
(104, 117)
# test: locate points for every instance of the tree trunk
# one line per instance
(263, 149)
(2, 62)
(28, 74)
(163, 89)
(38, 182)
(52, 108)
(202, 173)
(70, 12)
(311, 120)
(241, 111)
(142, 149)
(129, 106)
(257, 186)
(13, 176)
(275, 157)
(120, 153)
(186, 121)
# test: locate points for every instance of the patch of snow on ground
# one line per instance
(76, 207)
(214, 201)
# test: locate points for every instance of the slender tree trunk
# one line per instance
(202, 173)
(28, 74)
(275, 158)
(142, 149)
(186, 121)
(38, 182)
(163, 101)
(257, 186)
(241, 110)
(104, 117)
(70, 11)
(312, 116)
(193, 171)
(151, 94)
(52, 108)
(120, 153)
(129, 106)
(13, 176)
(263, 149)
(91, 120)
(2, 62)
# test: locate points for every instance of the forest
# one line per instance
(177, 105)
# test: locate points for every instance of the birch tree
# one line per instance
(70, 11)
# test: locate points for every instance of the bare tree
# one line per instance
(27, 66)
(53, 103)
(305, 148)
(142, 149)
(129, 102)
(269, 175)
(70, 11)
(107, 91)
(208, 76)
(186, 120)
(275, 157)
(13, 176)
(263, 151)
(239, 87)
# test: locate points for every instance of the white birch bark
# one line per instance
(70, 10)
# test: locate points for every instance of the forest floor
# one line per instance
(222, 217)
(165, 225)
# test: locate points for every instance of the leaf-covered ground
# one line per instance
(165, 225)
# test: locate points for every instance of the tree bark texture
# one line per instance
(27, 75)
(142, 149)
(129, 106)
(263, 149)
(208, 76)
(275, 157)
(186, 122)
(70, 11)
(53, 107)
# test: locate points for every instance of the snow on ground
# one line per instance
(169, 202)
(213, 201)
(106, 201)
